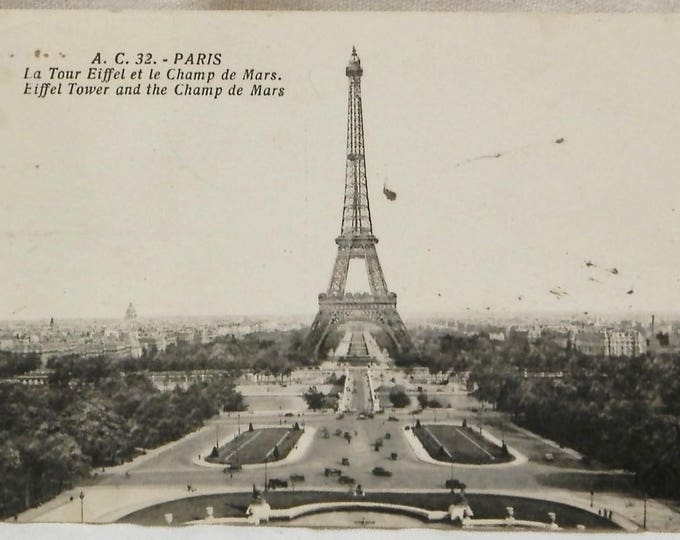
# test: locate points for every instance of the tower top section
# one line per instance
(356, 212)
(353, 68)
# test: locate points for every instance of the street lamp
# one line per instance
(265, 473)
(81, 496)
(644, 512)
(238, 418)
(217, 436)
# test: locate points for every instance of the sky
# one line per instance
(194, 206)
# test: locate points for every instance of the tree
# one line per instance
(16, 364)
(399, 398)
(232, 400)
(314, 398)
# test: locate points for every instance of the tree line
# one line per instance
(17, 364)
(273, 353)
(91, 415)
(621, 411)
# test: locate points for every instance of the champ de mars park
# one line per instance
(354, 421)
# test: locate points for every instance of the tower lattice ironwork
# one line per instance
(356, 241)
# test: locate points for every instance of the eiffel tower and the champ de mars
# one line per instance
(357, 241)
(356, 431)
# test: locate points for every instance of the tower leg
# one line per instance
(339, 275)
(386, 317)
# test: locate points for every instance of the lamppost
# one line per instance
(238, 419)
(217, 436)
(81, 496)
(265, 473)
(644, 512)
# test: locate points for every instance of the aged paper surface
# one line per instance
(179, 187)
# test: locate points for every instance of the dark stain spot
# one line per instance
(37, 53)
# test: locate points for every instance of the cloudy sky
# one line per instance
(198, 206)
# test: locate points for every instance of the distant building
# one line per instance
(524, 334)
(497, 336)
(130, 313)
(602, 342)
(561, 336)
(626, 343)
(591, 342)
(149, 342)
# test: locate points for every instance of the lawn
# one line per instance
(459, 445)
(254, 446)
(483, 506)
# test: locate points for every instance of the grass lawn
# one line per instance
(483, 506)
(620, 483)
(459, 445)
(254, 446)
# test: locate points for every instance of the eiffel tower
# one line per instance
(356, 241)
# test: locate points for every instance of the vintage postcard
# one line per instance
(349, 270)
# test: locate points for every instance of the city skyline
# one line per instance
(218, 208)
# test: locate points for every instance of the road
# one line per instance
(360, 401)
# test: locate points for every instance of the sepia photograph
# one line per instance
(340, 270)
